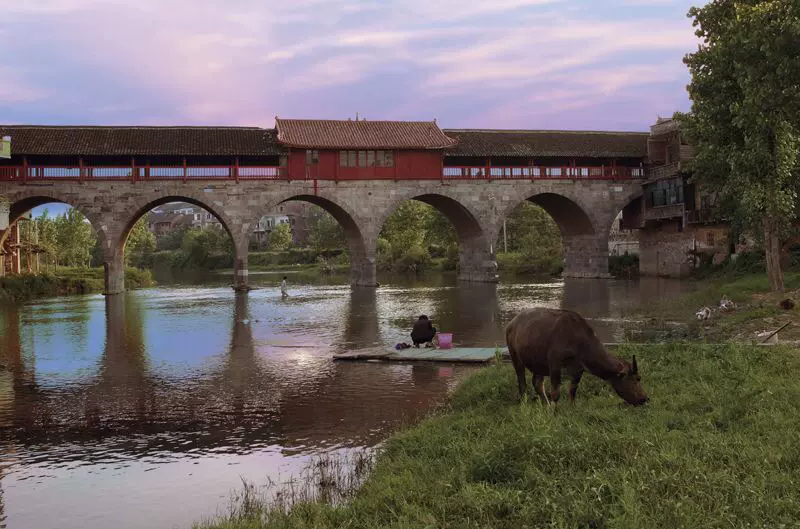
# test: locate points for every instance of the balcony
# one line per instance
(664, 212)
(658, 172)
(702, 216)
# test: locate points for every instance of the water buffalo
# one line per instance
(548, 340)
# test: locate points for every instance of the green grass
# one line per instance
(716, 447)
(756, 307)
(739, 289)
(65, 281)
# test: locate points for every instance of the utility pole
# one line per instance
(505, 238)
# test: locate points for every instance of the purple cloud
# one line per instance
(505, 63)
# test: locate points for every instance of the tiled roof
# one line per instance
(140, 141)
(362, 134)
(548, 143)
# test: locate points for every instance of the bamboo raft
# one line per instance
(471, 355)
(474, 355)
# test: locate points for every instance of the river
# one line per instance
(146, 410)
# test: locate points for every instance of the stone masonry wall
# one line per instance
(664, 251)
(476, 208)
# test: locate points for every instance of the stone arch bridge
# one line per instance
(583, 209)
(359, 171)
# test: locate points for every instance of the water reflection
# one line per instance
(361, 328)
(96, 388)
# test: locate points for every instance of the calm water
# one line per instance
(144, 410)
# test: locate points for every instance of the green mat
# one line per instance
(455, 354)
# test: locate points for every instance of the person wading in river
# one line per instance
(284, 292)
(423, 331)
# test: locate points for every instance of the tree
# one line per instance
(325, 232)
(745, 115)
(280, 238)
(404, 229)
(171, 240)
(140, 245)
(208, 247)
(41, 231)
(439, 231)
(531, 231)
(74, 239)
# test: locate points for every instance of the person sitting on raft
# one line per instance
(423, 331)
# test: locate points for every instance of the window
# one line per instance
(366, 159)
(312, 157)
(710, 238)
(665, 193)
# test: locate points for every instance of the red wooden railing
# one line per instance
(234, 172)
(135, 173)
(542, 172)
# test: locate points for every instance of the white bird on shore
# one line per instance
(703, 313)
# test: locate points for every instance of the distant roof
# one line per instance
(362, 134)
(173, 219)
(140, 141)
(173, 207)
(664, 126)
(547, 143)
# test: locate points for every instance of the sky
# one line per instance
(536, 64)
(530, 64)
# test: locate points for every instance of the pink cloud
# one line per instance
(243, 61)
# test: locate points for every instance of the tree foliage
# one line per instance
(140, 245)
(530, 230)
(65, 240)
(280, 238)
(206, 247)
(74, 239)
(405, 229)
(325, 232)
(534, 241)
(745, 116)
(171, 240)
(417, 232)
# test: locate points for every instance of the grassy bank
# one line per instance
(757, 308)
(65, 281)
(716, 447)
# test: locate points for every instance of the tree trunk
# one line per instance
(772, 247)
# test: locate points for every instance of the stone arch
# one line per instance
(568, 215)
(148, 202)
(585, 243)
(568, 212)
(20, 203)
(352, 231)
(115, 244)
(476, 257)
(631, 209)
(362, 249)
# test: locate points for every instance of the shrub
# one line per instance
(625, 265)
